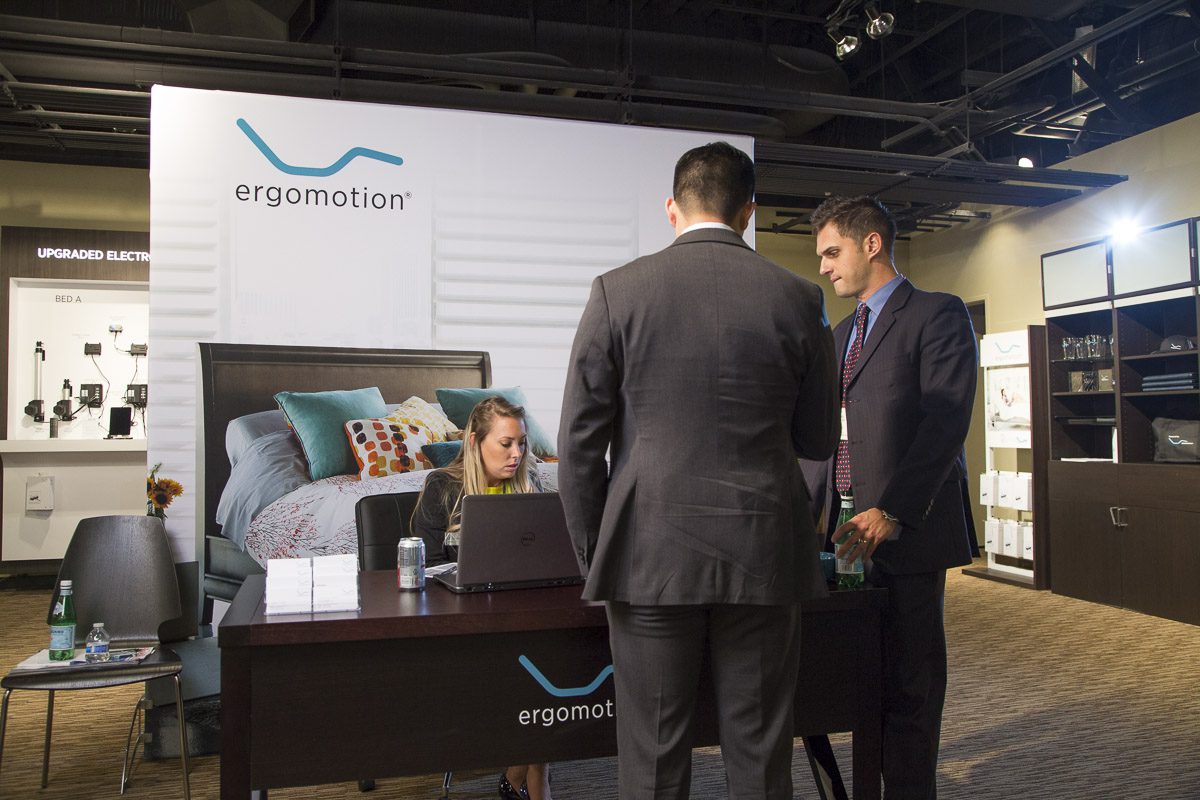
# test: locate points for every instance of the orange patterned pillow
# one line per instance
(386, 447)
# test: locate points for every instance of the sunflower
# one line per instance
(160, 492)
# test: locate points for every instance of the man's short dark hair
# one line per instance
(716, 179)
(857, 218)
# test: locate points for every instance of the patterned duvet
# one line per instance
(318, 518)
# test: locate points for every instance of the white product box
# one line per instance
(1020, 492)
(1005, 489)
(988, 485)
(992, 540)
(1025, 538)
(1010, 533)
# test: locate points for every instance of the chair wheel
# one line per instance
(366, 785)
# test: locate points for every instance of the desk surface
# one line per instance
(316, 698)
(387, 613)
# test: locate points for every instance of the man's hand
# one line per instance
(866, 531)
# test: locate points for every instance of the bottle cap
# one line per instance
(66, 584)
(97, 624)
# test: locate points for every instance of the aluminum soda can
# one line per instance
(410, 564)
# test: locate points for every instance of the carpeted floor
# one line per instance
(1050, 698)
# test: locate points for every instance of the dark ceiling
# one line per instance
(928, 118)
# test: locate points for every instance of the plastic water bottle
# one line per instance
(96, 644)
(62, 624)
(849, 571)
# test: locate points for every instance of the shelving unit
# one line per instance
(1115, 514)
(1014, 393)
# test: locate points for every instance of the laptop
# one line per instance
(512, 541)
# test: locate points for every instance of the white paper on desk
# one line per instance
(342, 567)
(41, 660)
(289, 586)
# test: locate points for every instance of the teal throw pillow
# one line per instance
(457, 405)
(318, 418)
(440, 454)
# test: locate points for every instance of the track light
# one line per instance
(880, 25)
(844, 45)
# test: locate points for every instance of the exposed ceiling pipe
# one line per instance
(1104, 32)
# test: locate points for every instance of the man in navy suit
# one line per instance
(909, 365)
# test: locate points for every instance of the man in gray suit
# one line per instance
(704, 370)
(908, 382)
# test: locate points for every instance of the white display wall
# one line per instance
(64, 315)
(286, 221)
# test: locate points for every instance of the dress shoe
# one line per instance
(507, 792)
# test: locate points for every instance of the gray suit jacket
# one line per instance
(704, 370)
(908, 408)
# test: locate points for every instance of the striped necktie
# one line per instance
(841, 465)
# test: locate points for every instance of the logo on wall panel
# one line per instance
(314, 172)
(580, 712)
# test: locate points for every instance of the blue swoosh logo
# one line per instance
(314, 172)
(1006, 350)
(578, 691)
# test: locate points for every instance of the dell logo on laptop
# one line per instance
(527, 538)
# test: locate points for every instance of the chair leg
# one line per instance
(46, 748)
(3, 720)
(183, 744)
(446, 785)
(131, 744)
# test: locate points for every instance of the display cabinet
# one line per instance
(1123, 413)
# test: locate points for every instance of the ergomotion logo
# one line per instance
(274, 196)
(580, 712)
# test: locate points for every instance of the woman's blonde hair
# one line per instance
(467, 466)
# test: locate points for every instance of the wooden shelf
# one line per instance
(1108, 393)
(1171, 393)
(1156, 356)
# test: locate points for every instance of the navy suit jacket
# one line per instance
(908, 408)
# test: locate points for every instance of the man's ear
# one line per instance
(672, 211)
(873, 244)
(743, 218)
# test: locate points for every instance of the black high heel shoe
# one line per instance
(507, 792)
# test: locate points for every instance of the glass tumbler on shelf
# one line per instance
(1095, 348)
(1068, 348)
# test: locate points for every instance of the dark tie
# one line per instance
(841, 465)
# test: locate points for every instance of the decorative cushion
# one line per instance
(440, 454)
(318, 419)
(386, 447)
(458, 403)
(393, 444)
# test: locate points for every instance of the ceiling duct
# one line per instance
(1034, 9)
(277, 20)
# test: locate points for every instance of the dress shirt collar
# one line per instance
(700, 225)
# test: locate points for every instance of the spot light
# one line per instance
(844, 45)
(1126, 229)
(1025, 161)
(880, 25)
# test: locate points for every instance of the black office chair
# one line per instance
(382, 521)
(123, 576)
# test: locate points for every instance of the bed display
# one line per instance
(259, 499)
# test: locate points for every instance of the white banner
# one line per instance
(287, 221)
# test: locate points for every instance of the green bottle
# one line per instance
(849, 571)
(62, 624)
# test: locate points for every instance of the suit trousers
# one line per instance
(755, 658)
(914, 682)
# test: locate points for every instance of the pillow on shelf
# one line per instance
(318, 419)
(440, 454)
(457, 403)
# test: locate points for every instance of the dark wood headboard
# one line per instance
(240, 379)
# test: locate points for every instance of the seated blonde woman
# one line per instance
(495, 459)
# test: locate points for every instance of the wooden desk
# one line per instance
(423, 682)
